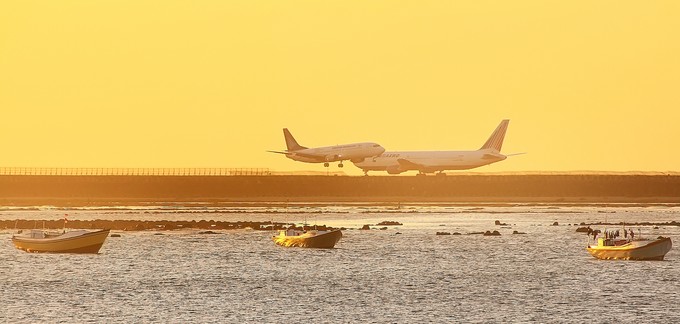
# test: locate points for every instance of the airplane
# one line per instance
(439, 161)
(355, 152)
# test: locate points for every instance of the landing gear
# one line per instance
(340, 165)
(420, 174)
(325, 164)
(441, 174)
(366, 173)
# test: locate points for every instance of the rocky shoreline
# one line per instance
(629, 224)
(139, 225)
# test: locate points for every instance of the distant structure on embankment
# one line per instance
(147, 186)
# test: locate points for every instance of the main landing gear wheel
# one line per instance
(325, 164)
(420, 175)
(441, 174)
(340, 165)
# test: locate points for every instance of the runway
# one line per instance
(32, 190)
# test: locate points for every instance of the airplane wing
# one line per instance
(408, 165)
(311, 156)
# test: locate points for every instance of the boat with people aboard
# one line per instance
(611, 247)
(323, 239)
(77, 241)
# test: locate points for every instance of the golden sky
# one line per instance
(587, 85)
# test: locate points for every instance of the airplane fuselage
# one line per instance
(430, 161)
(438, 161)
(356, 152)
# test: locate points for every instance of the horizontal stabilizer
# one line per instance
(279, 152)
(490, 157)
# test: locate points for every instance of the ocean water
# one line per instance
(375, 276)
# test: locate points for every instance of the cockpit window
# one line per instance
(376, 145)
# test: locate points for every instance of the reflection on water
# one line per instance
(372, 276)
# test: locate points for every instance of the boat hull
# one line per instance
(87, 243)
(320, 241)
(655, 250)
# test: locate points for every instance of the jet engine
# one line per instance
(394, 169)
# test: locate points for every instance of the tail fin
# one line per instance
(291, 143)
(496, 140)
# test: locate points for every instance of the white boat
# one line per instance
(627, 249)
(309, 239)
(78, 241)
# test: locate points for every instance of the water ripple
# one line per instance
(373, 276)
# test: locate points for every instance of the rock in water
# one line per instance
(494, 233)
(390, 223)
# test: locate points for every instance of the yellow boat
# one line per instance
(610, 249)
(79, 241)
(309, 239)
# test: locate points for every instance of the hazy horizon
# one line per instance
(586, 85)
(267, 171)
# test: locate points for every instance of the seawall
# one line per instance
(92, 190)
